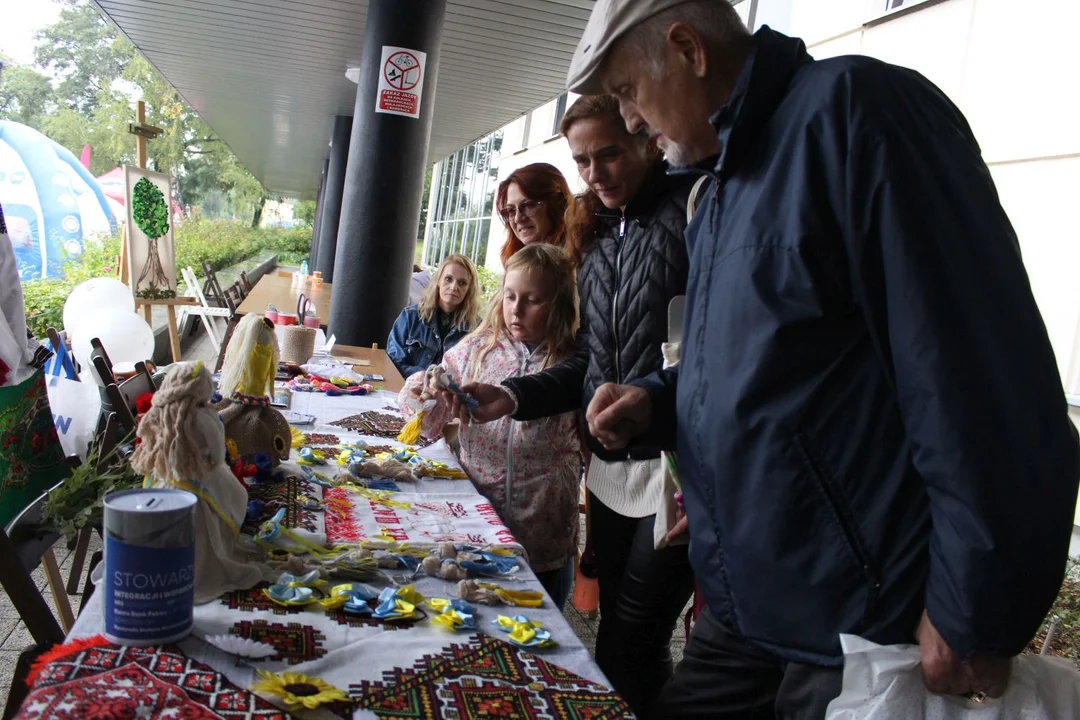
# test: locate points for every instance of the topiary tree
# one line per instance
(151, 215)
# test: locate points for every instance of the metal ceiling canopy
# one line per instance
(269, 75)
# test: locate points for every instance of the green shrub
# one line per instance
(489, 283)
(220, 242)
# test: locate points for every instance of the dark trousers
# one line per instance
(723, 677)
(558, 583)
(642, 594)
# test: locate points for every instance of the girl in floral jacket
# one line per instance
(528, 470)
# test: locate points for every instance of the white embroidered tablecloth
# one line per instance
(386, 667)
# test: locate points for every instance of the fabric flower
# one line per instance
(298, 690)
(143, 402)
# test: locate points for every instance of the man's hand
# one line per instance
(494, 403)
(617, 414)
(944, 673)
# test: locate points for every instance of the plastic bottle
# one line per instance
(304, 267)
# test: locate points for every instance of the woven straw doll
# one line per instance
(183, 446)
(247, 381)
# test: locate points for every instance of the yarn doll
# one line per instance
(247, 382)
(183, 446)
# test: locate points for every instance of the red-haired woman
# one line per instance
(531, 203)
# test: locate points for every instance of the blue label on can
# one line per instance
(149, 592)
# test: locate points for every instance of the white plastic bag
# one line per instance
(75, 408)
(886, 683)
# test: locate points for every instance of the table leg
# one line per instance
(174, 333)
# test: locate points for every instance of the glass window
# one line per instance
(461, 219)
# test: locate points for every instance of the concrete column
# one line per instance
(330, 212)
(380, 205)
(316, 225)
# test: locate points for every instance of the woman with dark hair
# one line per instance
(531, 203)
(627, 228)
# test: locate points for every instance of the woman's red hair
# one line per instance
(543, 182)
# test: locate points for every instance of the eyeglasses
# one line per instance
(527, 208)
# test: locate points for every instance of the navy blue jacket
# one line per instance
(414, 344)
(870, 419)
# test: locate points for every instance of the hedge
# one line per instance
(221, 242)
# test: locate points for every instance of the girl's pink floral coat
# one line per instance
(528, 470)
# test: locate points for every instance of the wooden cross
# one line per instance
(142, 133)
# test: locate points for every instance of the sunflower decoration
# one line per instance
(298, 690)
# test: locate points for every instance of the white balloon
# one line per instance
(125, 336)
(93, 296)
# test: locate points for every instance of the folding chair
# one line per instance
(206, 312)
(236, 292)
(24, 545)
(212, 289)
(100, 362)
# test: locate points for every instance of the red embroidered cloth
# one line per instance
(96, 680)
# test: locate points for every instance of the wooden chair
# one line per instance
(245, 282)
(237, 293)
(24, 545)
(205, 311)
(212, 288)
(100, 362)
(122, 398)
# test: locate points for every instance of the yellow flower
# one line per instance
(234, 451)
(297, 690)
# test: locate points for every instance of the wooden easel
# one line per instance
(142, 131)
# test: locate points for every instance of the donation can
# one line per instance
(149, 575)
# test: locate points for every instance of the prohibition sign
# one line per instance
(402, 71)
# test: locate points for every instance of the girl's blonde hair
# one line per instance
(553, 264)
(464, 315)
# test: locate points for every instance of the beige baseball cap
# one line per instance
(610, 20)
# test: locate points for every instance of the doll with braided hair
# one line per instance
(182, 446)
(247, 380)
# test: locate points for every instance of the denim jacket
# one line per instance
(415, 344)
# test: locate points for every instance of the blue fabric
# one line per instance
(870, 419)
(415, 345)
(60, 362)
(43, 185)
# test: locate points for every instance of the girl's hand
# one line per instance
(494, 403)
(432, 382)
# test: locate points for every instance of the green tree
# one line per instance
(99, 75)
(304, 212)
(85, 53)
(424, 203)
(26, 96)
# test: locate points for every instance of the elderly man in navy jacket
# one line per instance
(871, 429)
